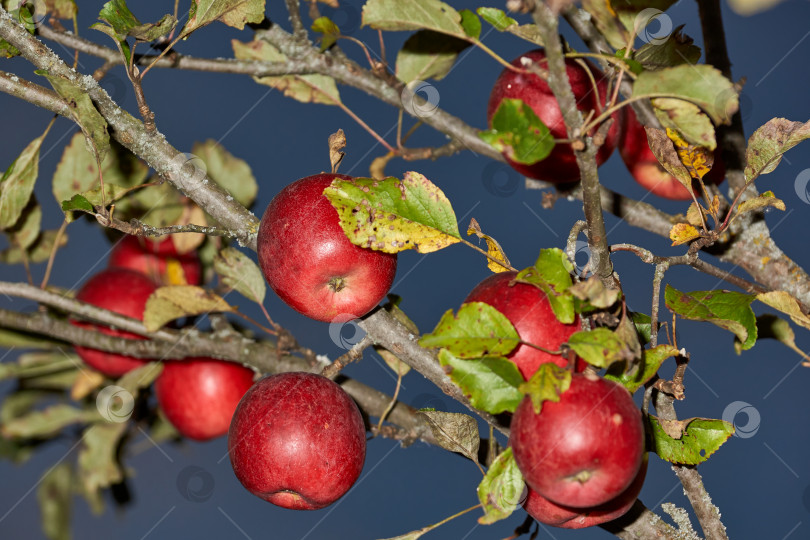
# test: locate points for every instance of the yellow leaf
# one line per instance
(494, 249)
(175, 301)
(693, 214)
(784, 302)
(86, 381)
(192, 215)
(682, 233)
(698, 160)
(175, 275)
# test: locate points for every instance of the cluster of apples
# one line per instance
(591, 93)
(583, 457)
(197, 395)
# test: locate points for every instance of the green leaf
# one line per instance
(169, 303)
(10, 339)
(547, 384)
(599, 347)
(140, 377)
(61, 9)
(593, 294)
(491, 384)
(77, 171)
(470, 23)
(78, 202)
(551, 273)
(771, 326)
(116, 13)
(496, 17)
(700, 84)
(726, 309)
(330, 31)
(17, 183)
(767, 144)
(643, 324)
(7, 50)
(651, 361)
(392, 215)
(687, 119)
(413, 15)
(152, 31)
(504, 23)
(239, 272)
(690, 441)
(37, 252)
(235, 13)
(304, 88)
(47, 422)
(787, 304)
(121, 43)
(98, 456)
(677, 49)
(157, 206)
(25, 232)
(477, 330)
(501, 489)
(455, 432)
(84, 113)
(35, 364)
(766, 200)
(633, 65)
(428, 54)
(231, 173)
(517, 131)
(55, 496)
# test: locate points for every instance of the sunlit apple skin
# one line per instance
(560, 166)
(529, 311)
(199, 395)
(152, 259)
(585, 449)
(566, 517)
(647, 171)
(125, 292)
(311, 264)
(297, 440)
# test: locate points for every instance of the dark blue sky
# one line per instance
(761, 482)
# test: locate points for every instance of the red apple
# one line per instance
(560, 165)
(645, 168)
(527, 308)
(585, 449)
(152, 259)
(200, 395)
(125, 292)
(297, 440)
(311, 264)
(566, 517)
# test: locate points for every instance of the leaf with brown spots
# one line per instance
(393, 215)
(477, 330)
(767, 144)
